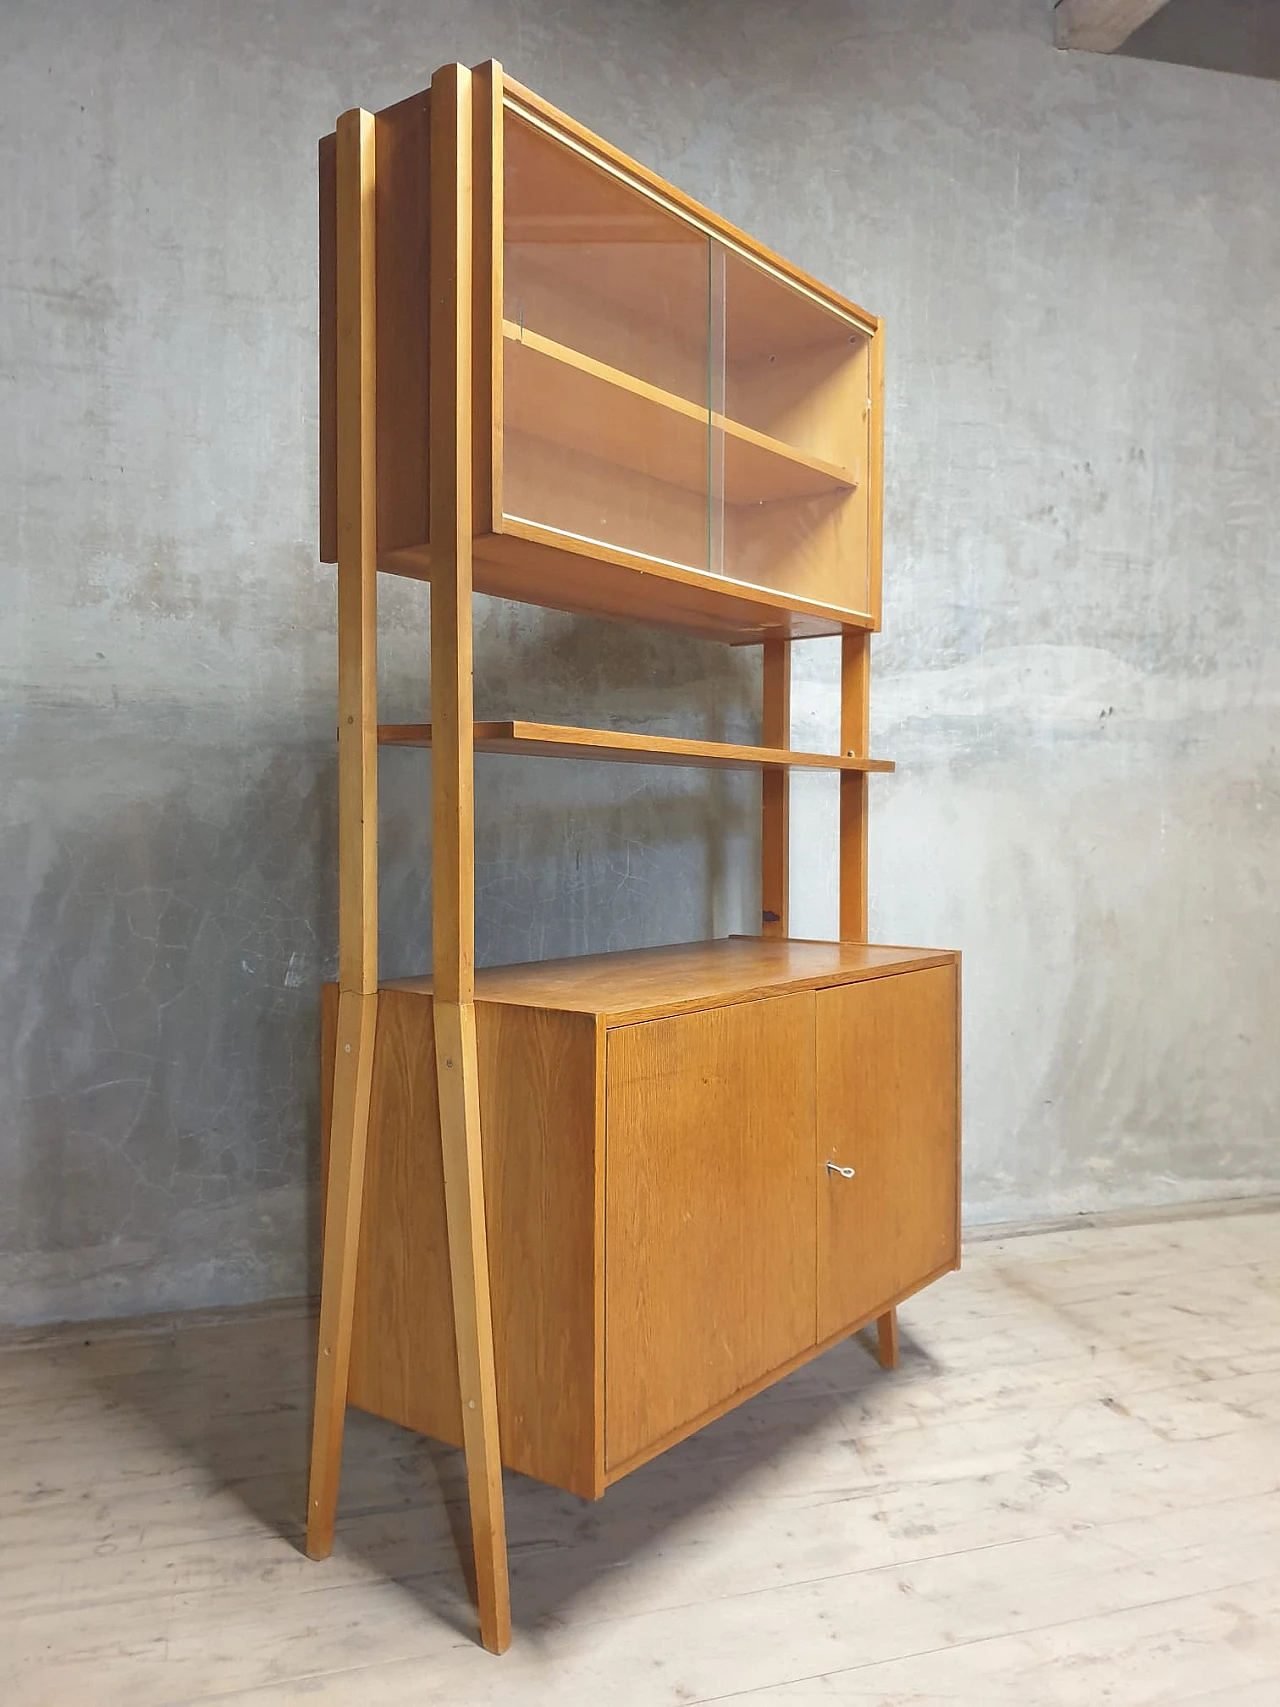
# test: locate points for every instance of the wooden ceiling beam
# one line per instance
(1099, 26)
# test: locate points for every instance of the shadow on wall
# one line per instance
(161, 1005)
(573, 858)
(169, 913)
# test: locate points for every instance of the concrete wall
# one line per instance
(1079, 260)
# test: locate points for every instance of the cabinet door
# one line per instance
(710, 1255)
(886, 1097)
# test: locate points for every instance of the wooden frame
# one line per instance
(417, 463)
(453, 922)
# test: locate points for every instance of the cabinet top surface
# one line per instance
(643, 983)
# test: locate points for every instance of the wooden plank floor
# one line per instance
(1069, 1493)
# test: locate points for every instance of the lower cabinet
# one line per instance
(665, 1234)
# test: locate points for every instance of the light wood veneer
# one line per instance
(664, 1236)
(645, 444)
(574, 1211)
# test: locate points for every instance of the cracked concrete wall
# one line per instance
(1078, 259)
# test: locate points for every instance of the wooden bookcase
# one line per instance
(576, 1209)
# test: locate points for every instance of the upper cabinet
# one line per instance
(671, 425)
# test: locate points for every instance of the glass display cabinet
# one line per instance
(666, 399)
(665, 412)
(576, 1209)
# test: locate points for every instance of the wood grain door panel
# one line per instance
(886, 1101)
(710, 1241)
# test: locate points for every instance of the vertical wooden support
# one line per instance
(855, 733)
(357, 563)
(775, 791)
(486, 297)
(357, 812)
(855, 700)
(453, 833)
(855, 673)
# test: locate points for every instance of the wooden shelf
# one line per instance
(559, 394)
(553, 741)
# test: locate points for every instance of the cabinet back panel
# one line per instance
(886, 1097)
(557, 484)
(813, 547)
(816, 400)
(709, 1224)
(614, 304)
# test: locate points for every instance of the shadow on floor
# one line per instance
(231, 1400)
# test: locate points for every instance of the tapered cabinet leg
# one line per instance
(348, 1134)
(887, 1339)
(457, 1073)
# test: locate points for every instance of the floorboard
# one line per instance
(1069, 1493)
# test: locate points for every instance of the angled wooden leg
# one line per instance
(458, 1075)
(352, 211)
(887, 1339)
(349, 1130)
(453, 823)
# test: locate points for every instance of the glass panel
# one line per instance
(789, 390)
(604, 356)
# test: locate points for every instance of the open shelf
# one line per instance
(553, 741)
(558, 393)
